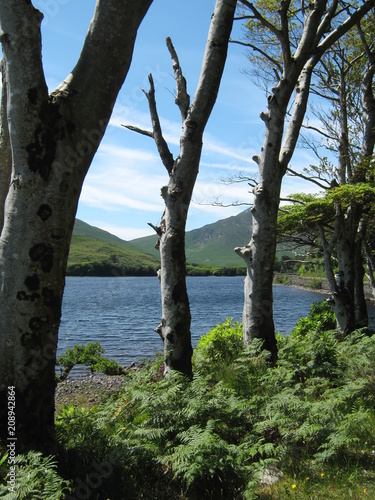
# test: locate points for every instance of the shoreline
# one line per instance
(304, 283)
(90, 390)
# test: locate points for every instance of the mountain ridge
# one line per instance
(212, 244)
(95, 251)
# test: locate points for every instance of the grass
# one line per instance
(310, 420)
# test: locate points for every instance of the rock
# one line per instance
(271, 475)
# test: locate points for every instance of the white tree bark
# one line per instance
(53, 139)
(5, 151)
(174, 328)
(370, 261)
(278, 148)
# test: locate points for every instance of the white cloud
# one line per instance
(110, 200)
(211, 144)
(124, 177)
(138, 156)
(172, 132)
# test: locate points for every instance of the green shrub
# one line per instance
(316, 284)
(320, 318)
(221, 345)
(283, 279)
(89, 355)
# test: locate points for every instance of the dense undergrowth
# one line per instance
(239, 425)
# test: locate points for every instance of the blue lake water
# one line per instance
(121, 313)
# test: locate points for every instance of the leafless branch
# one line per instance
(217, 203)
(165, 155)
(324, 134)
(238, 179)
(310, 179)
(141, 131)
(264, 54)
(292, 200)
(182, 99)
(242, 18)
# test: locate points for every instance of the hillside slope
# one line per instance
(83, 229)
(94, 252)
(210, 245)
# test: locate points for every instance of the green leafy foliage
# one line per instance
(221, 345)
(36, 479)
(321, 318)
(89, 355)
(311, 416)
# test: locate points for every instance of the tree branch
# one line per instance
(107, 46)
(320, 132)
(258, 16)
(298, 114)
(285, 42)
(183, 99)
(141, 131)
(264, 54)
(368, 99)
(213, 64)
(220, 204)
(165, 155)
(343, 28)
(306, 178)
(326, 21)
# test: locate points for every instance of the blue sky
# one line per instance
(121, 193)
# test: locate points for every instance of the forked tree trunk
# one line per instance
(176, 318)
(278, 148)
(174, 328)
(53, 139)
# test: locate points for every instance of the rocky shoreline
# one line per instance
(87, 392)
(305, 283)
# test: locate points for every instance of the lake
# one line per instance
(121, 313)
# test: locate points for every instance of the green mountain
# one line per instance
(211, 245)
(94, 252)
(83, 229)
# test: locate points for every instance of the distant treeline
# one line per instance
(109, 269)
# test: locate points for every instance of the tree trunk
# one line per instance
(278, 148)
(361, 314)
(259, 257)
(174, 328)
(5, 151)
(344, 295)
(370, 258)
(53, 140)
(341, 285)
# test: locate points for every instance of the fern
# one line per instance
(213, 436)
(37, 479)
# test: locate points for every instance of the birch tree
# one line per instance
(286, 40)
(47, 144)
(174, 328)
